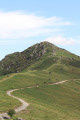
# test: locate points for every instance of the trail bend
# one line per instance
(24, 103)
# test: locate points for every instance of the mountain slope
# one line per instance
(42, 65)
(38, 56)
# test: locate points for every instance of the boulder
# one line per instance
(1, 118)
(20, 118)
(5, 117)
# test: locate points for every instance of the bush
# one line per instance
(11, 112)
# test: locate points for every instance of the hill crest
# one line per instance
(37, 54)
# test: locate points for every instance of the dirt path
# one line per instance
(25, 104)
(61, 82)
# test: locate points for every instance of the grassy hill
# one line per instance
(38, 57)
(58, 102)
(42, 64)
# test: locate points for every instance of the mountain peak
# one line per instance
(46, 43)
(42, 53)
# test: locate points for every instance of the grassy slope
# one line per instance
(58, 102)
(48, 102)
(42, 77)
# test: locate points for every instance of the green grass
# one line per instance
(58, 102)
(46, 102)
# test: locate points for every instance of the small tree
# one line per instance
(11, 112)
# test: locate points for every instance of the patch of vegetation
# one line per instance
(11, 112)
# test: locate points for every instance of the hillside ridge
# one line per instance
(37, 55)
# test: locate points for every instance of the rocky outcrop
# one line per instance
(4, 116)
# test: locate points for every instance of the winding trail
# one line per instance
(24, 103)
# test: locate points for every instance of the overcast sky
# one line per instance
(26, 22)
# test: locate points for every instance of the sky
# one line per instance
(27, 22)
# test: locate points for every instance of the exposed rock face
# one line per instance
(54, 52)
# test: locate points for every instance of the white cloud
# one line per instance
(59, 40)
(21, 25)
